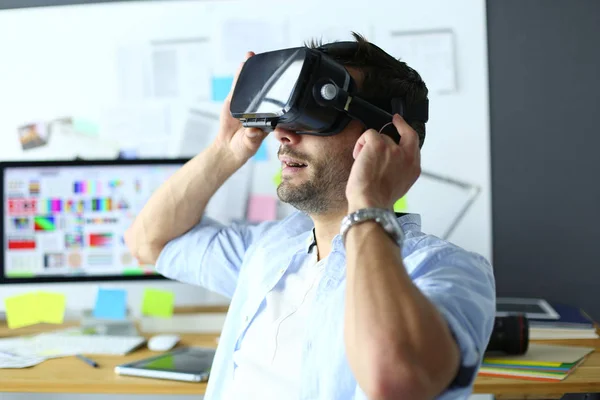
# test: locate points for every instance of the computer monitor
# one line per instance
(65, 220)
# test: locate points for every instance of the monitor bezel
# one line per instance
(73, 163)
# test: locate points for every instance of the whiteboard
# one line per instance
(130, 76)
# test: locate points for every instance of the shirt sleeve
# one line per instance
(210, 254)
(461, 285)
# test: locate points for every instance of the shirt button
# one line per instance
(282, 271)
(246, 318)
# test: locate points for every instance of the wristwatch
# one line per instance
(386, 218)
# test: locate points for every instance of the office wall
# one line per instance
(64, 63)
(544, 99)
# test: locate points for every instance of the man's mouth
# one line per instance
(292, 163)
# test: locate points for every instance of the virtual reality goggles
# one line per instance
(306, 91)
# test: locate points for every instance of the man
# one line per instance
(315, 314)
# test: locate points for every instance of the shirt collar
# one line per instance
(405, 219)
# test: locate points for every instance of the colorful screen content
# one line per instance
(70, 220)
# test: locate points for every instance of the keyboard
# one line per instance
(61, 344)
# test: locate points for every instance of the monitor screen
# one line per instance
(66, 221)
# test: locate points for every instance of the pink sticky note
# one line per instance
(262, 208)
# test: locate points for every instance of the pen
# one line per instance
(87, 360)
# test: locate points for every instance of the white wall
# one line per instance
(62, 61)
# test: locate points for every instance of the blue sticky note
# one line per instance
(221, 85)
(111, 304)
(262, 153)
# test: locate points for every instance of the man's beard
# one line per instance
(324, 190)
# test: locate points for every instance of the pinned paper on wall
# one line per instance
(429, 52)
(198, 129)
(127, 124)
(85, 126)
(221, 85)
(230, 202)
(180, 68)
(237, 36)
(35, 308)
(35, 134)
(111, 304)
(262, 208)
(158, 303)
(262, 153)
(165, 68)
(401, 205)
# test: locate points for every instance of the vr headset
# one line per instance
(306, 91)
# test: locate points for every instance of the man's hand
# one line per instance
(242, 143)
(383, 171)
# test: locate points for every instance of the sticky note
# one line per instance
(51, 307)
(110, 304)
(34, 308)
(86, 127)
(401, 205)
(277, 178)
(262, 153)
(262, 208)
(21, 310)
(221, 85)
(158, 303)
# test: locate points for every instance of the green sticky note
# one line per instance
(158, 303)
(22, 310)
(401, 205)
(85, 126)
(277, 178)
(51, 307)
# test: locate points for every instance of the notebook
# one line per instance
(542, 362)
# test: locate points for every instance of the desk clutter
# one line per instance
(26, 351)
(511, 355)
(572, 323)
(107, 329)
(541, 362)
(111, 305)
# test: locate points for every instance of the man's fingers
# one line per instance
(387, 139)
(409, 138)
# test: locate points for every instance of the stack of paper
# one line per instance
(541, 363)
(573, 323)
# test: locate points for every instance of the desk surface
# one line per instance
(71, 375)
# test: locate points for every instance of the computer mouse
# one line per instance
(162, 342)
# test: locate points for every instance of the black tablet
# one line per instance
(190, 364)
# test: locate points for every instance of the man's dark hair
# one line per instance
(383, 77)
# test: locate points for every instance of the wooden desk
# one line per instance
(70, 375)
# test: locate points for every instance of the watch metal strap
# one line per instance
(362, 215)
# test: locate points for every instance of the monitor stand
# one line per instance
(101, 326)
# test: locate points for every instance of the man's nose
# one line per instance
(286, 137)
